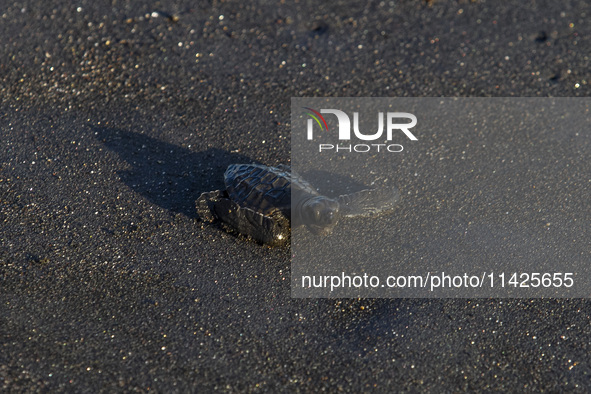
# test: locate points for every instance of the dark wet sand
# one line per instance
(115, 118)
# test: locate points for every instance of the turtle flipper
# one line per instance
(206, 202)
(368, 202)
(272, 229)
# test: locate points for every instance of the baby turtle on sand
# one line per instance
(258, 203)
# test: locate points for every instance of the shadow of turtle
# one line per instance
(168, 175)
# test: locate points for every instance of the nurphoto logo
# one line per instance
(392, 128)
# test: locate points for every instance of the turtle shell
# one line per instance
(265, 189)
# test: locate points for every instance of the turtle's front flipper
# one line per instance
(206, 202)
(270, 229)
(368, 202)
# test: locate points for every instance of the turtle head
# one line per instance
(320, 214)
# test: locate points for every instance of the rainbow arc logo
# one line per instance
(317, 117)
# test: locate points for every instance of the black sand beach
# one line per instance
(115, 116)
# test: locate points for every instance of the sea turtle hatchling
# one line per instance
(258, 203)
